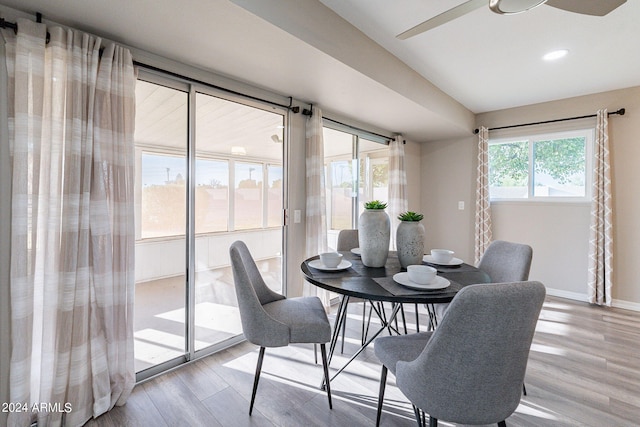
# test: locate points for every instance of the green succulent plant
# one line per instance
(375, 204)
(410, 216)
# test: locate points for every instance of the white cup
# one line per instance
(441, 255)
(421, 274)
(330, 259)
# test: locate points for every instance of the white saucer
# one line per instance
(430, 260)
(355, 251)
(438, 283)
(318, 265)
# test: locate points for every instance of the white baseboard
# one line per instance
(568, 295)
(627, 305)
(576, 296)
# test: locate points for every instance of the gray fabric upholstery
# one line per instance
(347, 240)
(503, 262)
(268, 318)
(305, 317)
(391, 349)
(506, 261)
(472, 368)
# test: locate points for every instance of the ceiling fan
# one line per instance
(509, 7)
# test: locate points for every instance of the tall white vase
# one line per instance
(410, 243)
(374, 232)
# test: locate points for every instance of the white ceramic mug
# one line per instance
(330, 259)
(442, 255)
(421, 274)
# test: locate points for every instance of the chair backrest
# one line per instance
(347, 240)
(472, 369)
(506, 261)
(252, 294)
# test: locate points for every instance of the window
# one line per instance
(274, 196)
(248, 196)
(542, 167)
(356, 170)
(163, 189)
(212, 195)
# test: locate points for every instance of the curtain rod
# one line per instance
(308, 112)
(356, 128)
(7, 24)
(621, 112)
(295, 109)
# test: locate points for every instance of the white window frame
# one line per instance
(588, 134)
(231, 161)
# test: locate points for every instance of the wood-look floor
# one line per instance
(584, 370)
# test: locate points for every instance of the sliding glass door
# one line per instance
(356, 170)
(161, 236)
(238, 196)
(210, 171)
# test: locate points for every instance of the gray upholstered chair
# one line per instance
(469, 370)
(271, 320)
(347, 240)
(503, 262)
(506, 261)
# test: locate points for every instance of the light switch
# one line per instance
(461, 205)
(296, 216)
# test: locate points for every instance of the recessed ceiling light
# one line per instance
(556, 54)
(238, 151)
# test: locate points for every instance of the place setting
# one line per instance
(442, 257)
(421, 278)
(330, 261)
(444, 261)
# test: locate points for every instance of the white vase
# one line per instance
(410, 243)
(374, 232)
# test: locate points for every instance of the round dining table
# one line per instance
(377, 285)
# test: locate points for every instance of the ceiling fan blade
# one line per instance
(443, 18)
(587, 7)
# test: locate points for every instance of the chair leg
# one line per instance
(502, 424)
(315, 352)
(383, 383)
(433, 422)
(418, 413)
(524, 389)
(256, 379)
(417, 319)
(325, 366)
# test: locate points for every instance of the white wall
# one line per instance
(557, 233)
(448, 177)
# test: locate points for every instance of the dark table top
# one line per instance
(377, 284)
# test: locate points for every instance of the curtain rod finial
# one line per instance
(476, 131)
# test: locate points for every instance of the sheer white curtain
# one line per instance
(601, 234)
(483, 207)
(316, 211)
(398, 202)
(71, 115)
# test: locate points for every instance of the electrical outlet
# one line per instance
(461, 205)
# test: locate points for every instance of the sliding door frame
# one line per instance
(192, 88)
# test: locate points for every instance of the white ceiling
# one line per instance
(480, 62)
(490, 62)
